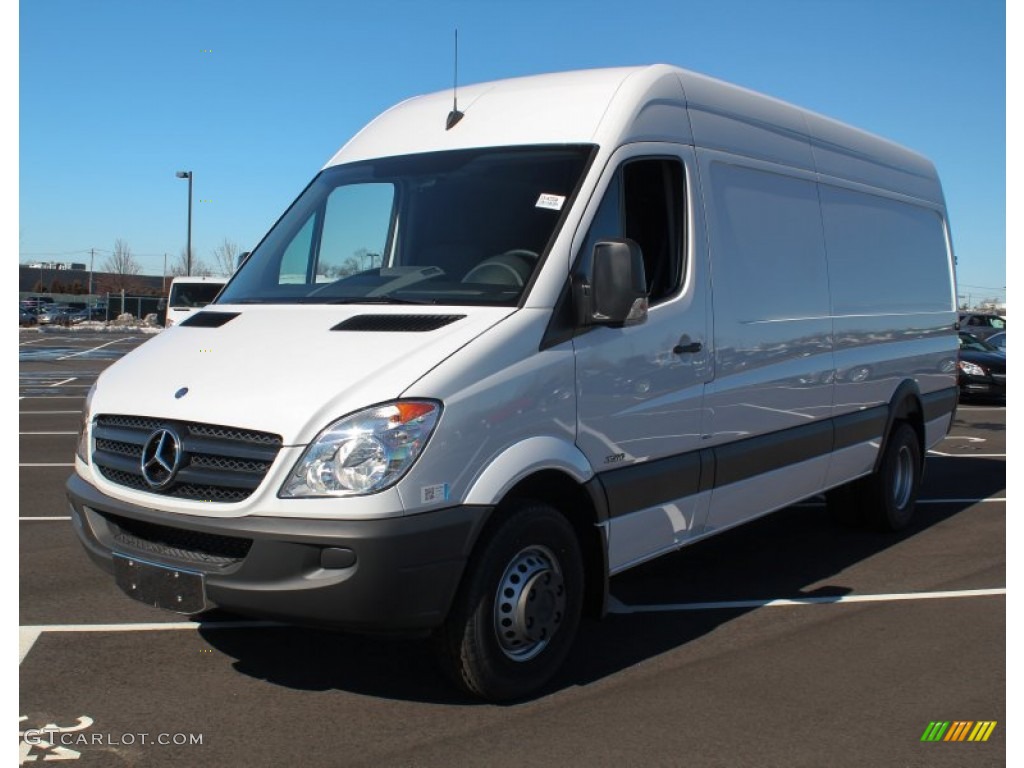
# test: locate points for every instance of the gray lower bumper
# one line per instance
(393, 574)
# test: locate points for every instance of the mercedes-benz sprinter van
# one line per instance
(493, 356)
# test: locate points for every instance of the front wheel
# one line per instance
(516, 614)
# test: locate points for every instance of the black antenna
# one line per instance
(454, 116)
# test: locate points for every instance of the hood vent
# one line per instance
(396, 323)
(209, 319)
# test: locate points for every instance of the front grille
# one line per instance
(230, 433)
(177, 543)
(116, 446)
(233, 465)
(216, 463)
(132, 422)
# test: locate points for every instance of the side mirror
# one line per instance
(241, 259)
(617, 292)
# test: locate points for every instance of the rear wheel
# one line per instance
(884, 500)
(516, 614)
(891, 493)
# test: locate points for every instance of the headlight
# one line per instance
(364, 452)
(83, 429)
(971, 369)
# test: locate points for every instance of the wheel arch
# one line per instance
(583, 504)
(905, 405)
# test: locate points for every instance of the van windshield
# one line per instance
(460, 227)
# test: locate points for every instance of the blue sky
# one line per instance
(254, 97)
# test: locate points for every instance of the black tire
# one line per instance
(891, 493)
(508, 648)
(884, 500)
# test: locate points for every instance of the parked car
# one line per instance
(982, 368)
(56, 314)
(36, 301)
(26, 316)
(87, 314)
(998, 340)
(982, 324)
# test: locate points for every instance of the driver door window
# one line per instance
(644, 202)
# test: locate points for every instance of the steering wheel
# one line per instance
(516, 264)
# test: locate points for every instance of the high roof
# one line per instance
(611, 107)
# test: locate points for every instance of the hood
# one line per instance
(286, 369)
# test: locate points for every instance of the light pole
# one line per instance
(188, 253)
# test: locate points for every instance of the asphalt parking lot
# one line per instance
(792, 641)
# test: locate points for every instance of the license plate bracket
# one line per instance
(162, 586)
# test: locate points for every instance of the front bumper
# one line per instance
(983, 386)
(393, 574)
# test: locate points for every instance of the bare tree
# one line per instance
(122, 269)
(179, 266)
(224, 258)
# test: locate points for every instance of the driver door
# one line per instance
(640, 388)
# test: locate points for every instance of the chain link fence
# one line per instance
(112, 305)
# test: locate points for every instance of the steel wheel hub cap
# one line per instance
(530, 603)
(903, 480)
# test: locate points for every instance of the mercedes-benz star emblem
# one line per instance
(161, 457)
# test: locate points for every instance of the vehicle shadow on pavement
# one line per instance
(790, 554)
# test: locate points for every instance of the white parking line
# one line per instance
(989, 500)
(43, 413)
(66, 381)
(27, 636)
(35, 387)
(986, 500)
(87, 351)
(967, 455)
(616, 606)
(52, 397)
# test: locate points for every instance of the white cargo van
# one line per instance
(483, 363)
(190, 294)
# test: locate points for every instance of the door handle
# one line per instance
(688, 349)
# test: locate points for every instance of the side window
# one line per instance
(355, 232)
(295, 259)
(607, 224)
(644, 202)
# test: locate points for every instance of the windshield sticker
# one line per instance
(551, 202)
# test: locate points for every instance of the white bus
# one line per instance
(189, 294)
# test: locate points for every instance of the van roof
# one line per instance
(611, 107)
